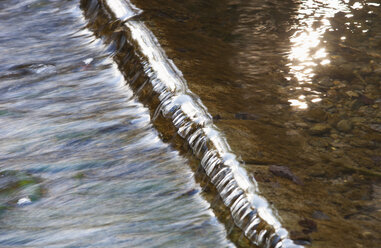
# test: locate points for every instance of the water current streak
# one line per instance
(161, 86)
(80, 162)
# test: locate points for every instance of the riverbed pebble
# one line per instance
(319, 129)
(344, 125)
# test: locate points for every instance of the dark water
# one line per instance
(81, 164)
(296, 84)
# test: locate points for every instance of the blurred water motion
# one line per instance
(80, 162)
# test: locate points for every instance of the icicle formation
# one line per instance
(251, 212)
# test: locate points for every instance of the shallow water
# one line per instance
(81, 164)
(293, 84)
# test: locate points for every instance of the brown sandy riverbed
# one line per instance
(236, 57)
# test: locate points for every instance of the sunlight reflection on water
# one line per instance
(307, 48)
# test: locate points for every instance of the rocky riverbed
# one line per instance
(318, 162)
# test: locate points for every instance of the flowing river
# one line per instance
(163, 123)
(79, 146)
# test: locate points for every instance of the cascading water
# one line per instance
(159, 84)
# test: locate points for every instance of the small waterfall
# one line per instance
(160, 85)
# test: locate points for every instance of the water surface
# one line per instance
(293, 84)
(81, 164)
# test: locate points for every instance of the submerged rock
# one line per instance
(344, 125)
(309, 225)
(18, 188)
(316, 115)
(285, 172)
(246, 116)
(300, 238)
(352, 94)
(366, 100)
(320, 215)
(376, 127)
(319, 129)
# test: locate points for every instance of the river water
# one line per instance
(295, 84)
(86, 160)
(81, 148)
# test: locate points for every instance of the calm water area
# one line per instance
(294, 86)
